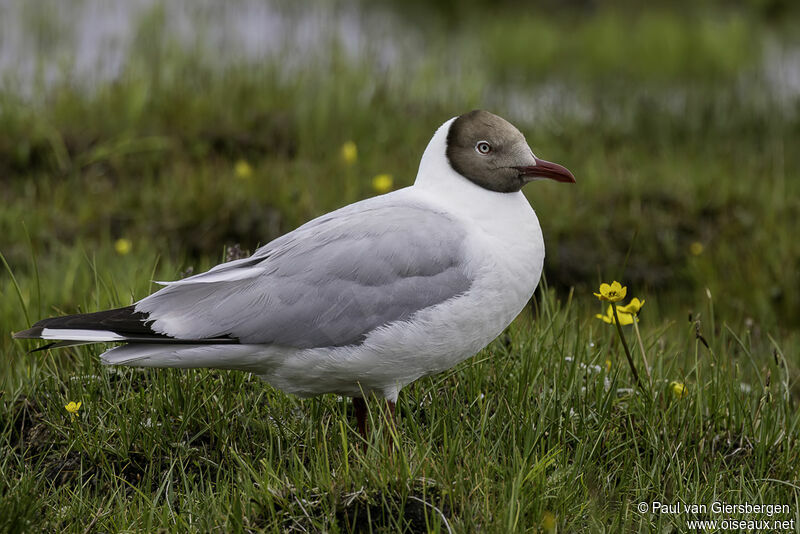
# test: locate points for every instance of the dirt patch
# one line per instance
(388, 511)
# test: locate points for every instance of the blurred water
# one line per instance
(781, 68)
(88, 42)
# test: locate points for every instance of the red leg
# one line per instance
(393, 425)
(390, 404)
(360, 406)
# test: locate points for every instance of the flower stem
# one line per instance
(627, 350)
(641, 348)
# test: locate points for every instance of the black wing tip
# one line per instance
(126, 322)
(44, 347)
(30, 333)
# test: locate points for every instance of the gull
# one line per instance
(363, 300)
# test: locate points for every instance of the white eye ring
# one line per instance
(483, 147)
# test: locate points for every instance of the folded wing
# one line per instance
(328, 283)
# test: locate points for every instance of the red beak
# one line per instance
(546, 169)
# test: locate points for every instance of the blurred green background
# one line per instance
(126, 120)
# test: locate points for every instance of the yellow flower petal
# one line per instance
(696, 248)
(382, 183)
(349, 152)
(678, 389)
(632, 307)
(613, 292)
(73, 407)
(605, 318)
(624, 318)
(123, 246)
(243, 169)
(548, 522)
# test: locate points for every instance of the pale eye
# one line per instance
(483, 147)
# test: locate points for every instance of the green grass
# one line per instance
(538, 423)
(687, 192)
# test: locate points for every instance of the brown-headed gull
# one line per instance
(363, 300)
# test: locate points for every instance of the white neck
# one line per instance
(434, 162)
(437, 176)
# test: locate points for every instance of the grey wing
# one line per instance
(328, 283)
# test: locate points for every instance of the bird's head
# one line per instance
(493, 154)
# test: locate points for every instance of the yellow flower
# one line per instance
(548, 522)
(608, 366)
(349, 152)
(383, 183)
(678, 389)
(243, 169)
(632, 307)
(72, 407)
(624, 318)
(607, 318)
(696, 248)
(613, 292)
(123, 246)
